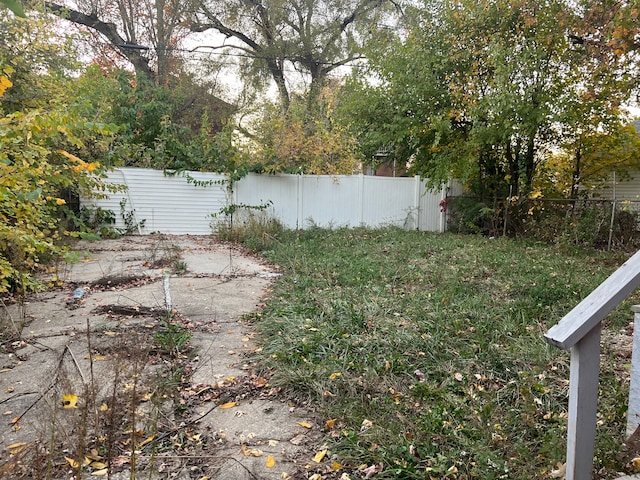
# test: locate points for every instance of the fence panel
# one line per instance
(170, 204)
(160, 203)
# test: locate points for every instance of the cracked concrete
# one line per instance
(61, 345)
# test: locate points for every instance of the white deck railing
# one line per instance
(579, 332)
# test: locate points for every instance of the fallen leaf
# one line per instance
(366, 424)
(320, 455)
(146, 440)
(297, 440)
(315, 476)
(273, 443)
(103, 407)
(305, 424)
(251, 452)
(335, 466)
(14, 420)
(100, 473)
(69, 400)
(458, 376)
(16, 448)
(72, 462)
(560, 472)
(271, 462)
(93, 455)
(228, 405)
(98, 465)
(372, 470)
(329, 424)
(335, 375)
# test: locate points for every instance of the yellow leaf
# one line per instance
(320, 455)
(228, 405)
(70, 156)
(335, 375)
(98, 465)
(271, 462)
(16, 448)
(329, 424)
(72, 462)
(69, 400)
(103, 407)
(147, 440)
(100, 473)
(251, 452)
(335, 466)
(305, 424)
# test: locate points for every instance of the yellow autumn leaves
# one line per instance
(80, 165)
(91, 460)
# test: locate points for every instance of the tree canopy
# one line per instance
(487, 91)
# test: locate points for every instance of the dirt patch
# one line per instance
(132, 369)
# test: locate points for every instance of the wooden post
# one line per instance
(583, 401)
(633, 413)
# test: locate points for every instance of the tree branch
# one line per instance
(108, 30)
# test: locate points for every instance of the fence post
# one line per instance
(633, 413)
(361, 199)
(416, 203)
(299, 202)
(583, 404)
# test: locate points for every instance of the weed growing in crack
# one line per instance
(172, 337)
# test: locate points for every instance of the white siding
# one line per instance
(169, 204)
(625, 189)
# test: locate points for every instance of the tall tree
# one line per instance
(484, 90)
(147, 33)
(313, 36)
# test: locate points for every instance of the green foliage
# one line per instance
(157, 129)
(308, 139)
(483, 91)
(427, 349)
(42, 140)
(172, 337)
(249, 225)
(40, 58)
(14, 6)
(581, 222)
(35, 166)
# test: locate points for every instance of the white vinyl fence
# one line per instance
(155, 202)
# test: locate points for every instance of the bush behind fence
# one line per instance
(586, 222)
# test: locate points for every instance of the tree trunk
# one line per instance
(110, 31)
(575, 177)
(530, 164)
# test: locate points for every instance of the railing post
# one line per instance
(583, 402)
(633, 413)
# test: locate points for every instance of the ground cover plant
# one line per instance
(424, 352)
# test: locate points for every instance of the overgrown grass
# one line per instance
(427, 349)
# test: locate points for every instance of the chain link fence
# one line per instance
(598, 223)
